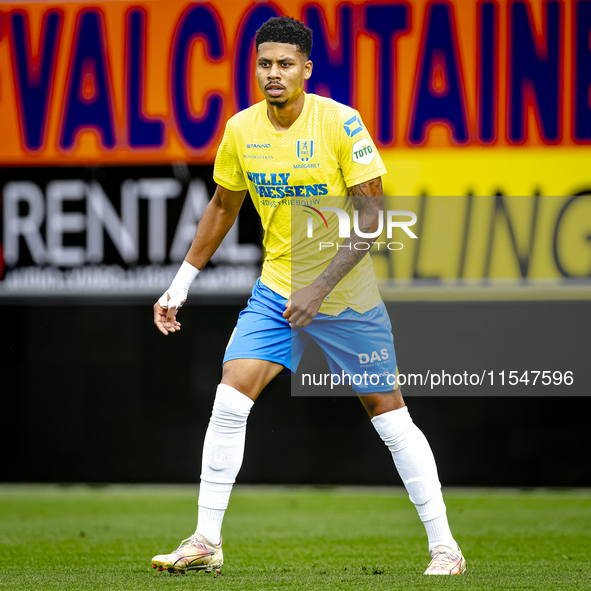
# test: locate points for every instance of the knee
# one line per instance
(249, 376)
(378, 404)
(230, 408)
(236, 380)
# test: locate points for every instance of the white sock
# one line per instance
(209, 520)
(439, 534)
(223, 451)
(416, 465)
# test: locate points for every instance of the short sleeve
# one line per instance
(358, 158)
(227, 171)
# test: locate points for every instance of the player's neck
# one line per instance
(282, 118)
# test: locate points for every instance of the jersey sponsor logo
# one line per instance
(363, 153)
(353, 126)
(266, 178)
(279, 192)
(308, 165)
(286, 201)
(276, 185)
(305, 150)
(258, 145)
(373, 357)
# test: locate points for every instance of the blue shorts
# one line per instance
(360, 346)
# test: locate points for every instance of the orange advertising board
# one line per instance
(146, 82)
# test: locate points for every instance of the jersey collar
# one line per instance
(308, 98)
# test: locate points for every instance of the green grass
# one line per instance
(103, 538)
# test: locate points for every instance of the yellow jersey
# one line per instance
(292, 176)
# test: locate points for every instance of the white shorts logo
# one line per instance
(363, 152)
(375, 356)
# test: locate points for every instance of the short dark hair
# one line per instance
(285, 29)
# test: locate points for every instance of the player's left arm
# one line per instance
(368, 201)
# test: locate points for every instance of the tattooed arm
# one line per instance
(368, 201)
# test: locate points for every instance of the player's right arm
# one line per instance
(216, 221)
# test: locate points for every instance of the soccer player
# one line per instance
(291, 151)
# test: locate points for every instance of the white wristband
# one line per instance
(176, 295)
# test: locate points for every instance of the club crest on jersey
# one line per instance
(305, 150)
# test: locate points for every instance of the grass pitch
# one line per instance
(81, 538)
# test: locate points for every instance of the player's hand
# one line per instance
(165, 318)
(303, 304)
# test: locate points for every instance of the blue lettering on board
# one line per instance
(90, 60)
(582, 77)
(534, 72)
(487, 71)
(34, 78)
(439, 48)
(251, 22)
(199, 20)
(332, 67)
(387, 21)
(141, 131)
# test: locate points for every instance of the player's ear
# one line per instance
(307, 70)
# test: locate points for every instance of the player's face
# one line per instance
(281, 71)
